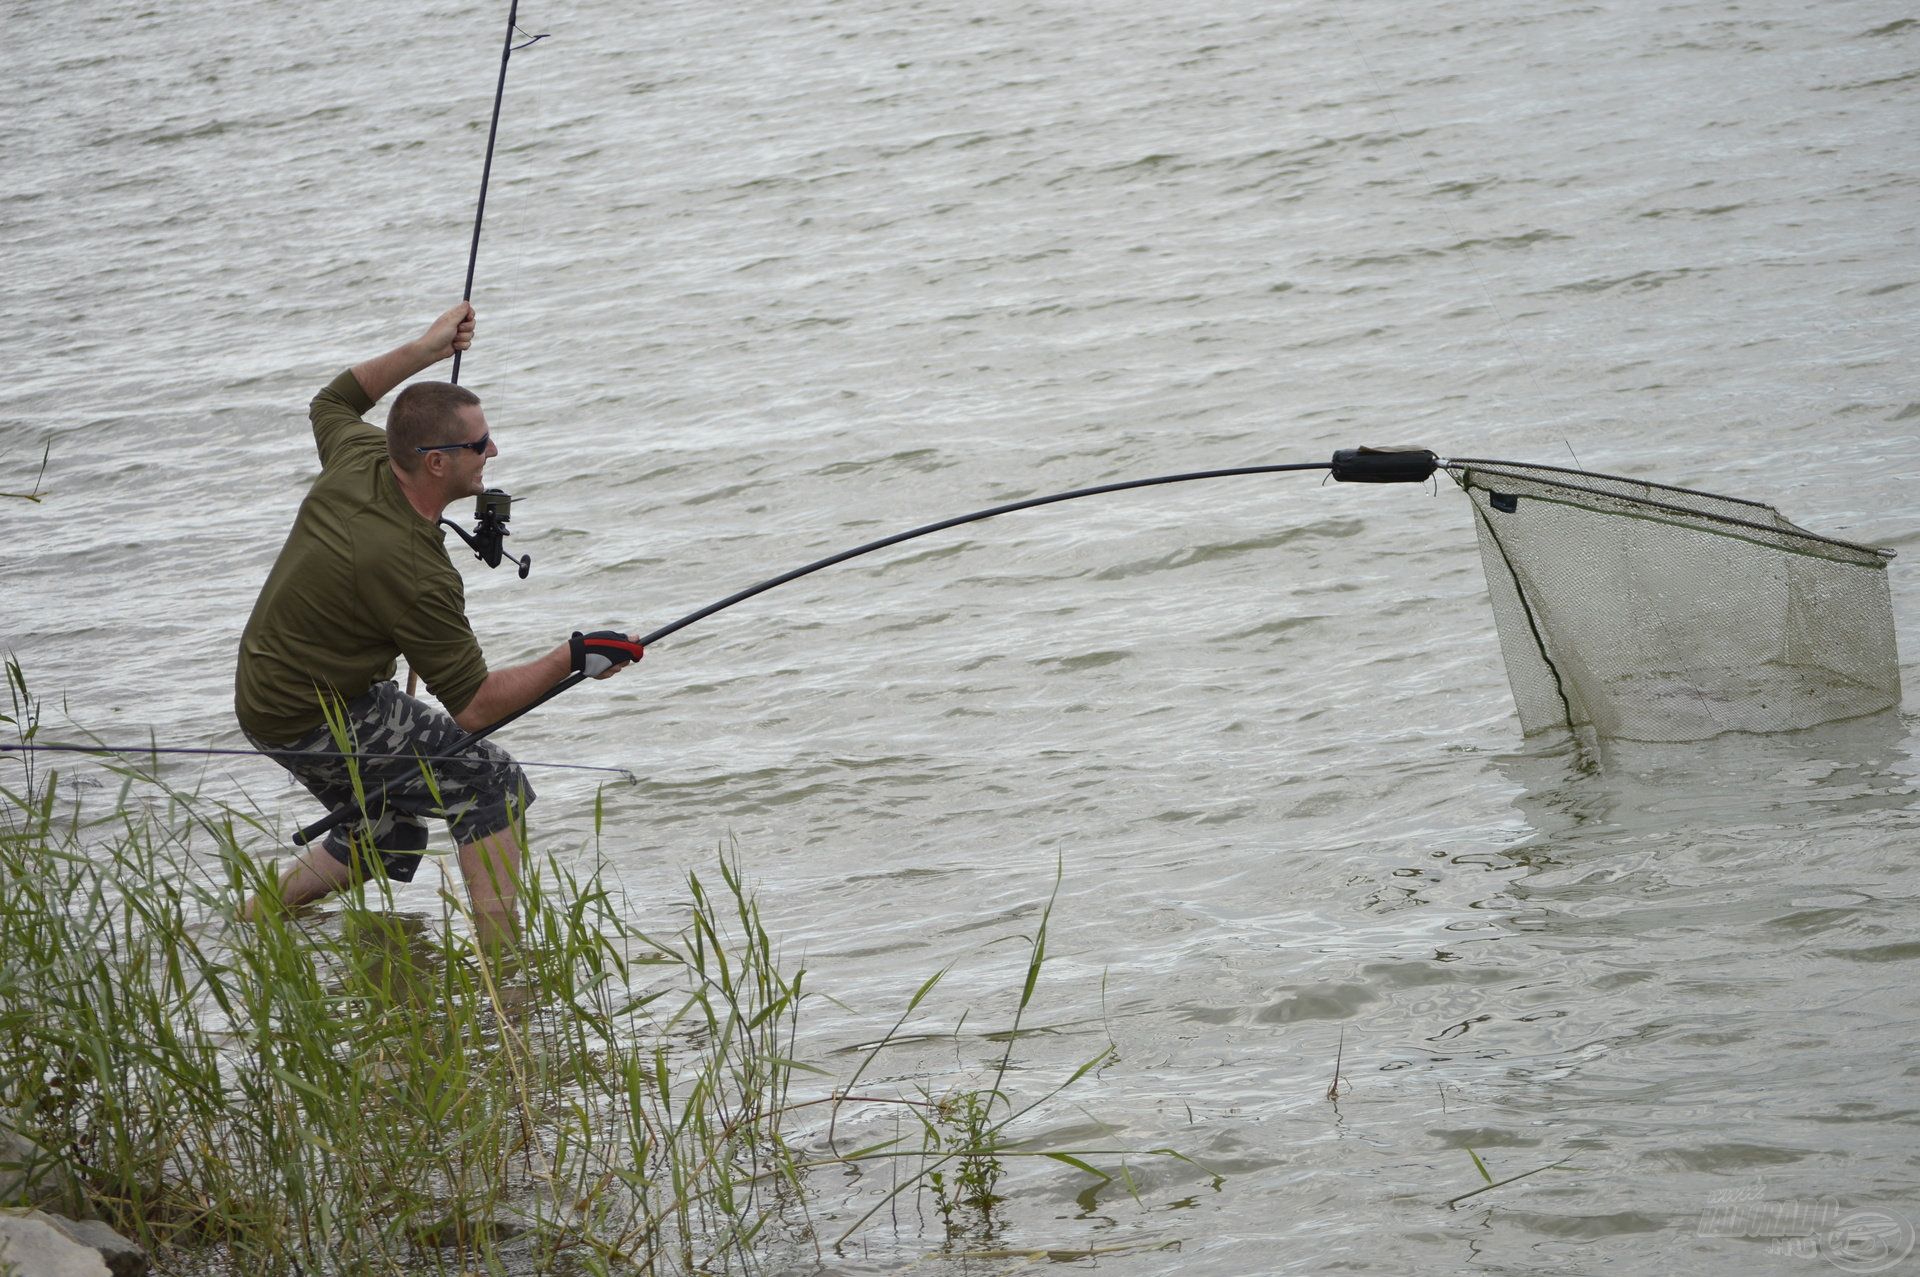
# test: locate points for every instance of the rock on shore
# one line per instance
(31, 1176)
(36, 1244)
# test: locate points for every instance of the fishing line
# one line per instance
(1354, 465)
(1461, 240)
(74, 747)
(507, 50)
(486, 169)
(492, 517)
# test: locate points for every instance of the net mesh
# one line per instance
(1637, 611)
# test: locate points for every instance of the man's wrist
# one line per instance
(378, 376)
(421, 355)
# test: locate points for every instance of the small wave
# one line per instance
(923, 460)
(1328, 1002)
(950, 141)
(1716, 210)
(1084, 661)
(1618, 1224)
(1903, 78)
(1284, 625)
(1190, 555)
(1527, 240)
(931, 555)
(1465, 188)
(725, 493)
(1899, 951)
(163, 136)
(1639, 281)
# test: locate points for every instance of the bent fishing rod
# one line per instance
(1349, 465)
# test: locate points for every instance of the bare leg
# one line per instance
(314, 874)
(491, 866)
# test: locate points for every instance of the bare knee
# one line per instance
(491, 867)
(313, 875)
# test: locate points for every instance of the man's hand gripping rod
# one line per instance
(593, 655)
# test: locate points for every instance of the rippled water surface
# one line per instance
(763, 282)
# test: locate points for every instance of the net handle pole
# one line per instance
(342, 813)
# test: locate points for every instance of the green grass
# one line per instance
(364, 1091)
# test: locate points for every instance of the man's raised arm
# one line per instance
(451, 332)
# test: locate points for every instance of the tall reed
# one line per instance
(371, 1092)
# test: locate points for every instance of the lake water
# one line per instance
(759, 283)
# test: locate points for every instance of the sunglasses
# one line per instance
(478, 447)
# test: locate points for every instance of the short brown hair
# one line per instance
(424, 414)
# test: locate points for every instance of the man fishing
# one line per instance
(363, 579)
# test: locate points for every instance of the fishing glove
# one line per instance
(596, 653)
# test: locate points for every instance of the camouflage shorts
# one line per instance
(479, 792)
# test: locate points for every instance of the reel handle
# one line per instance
(491, 511)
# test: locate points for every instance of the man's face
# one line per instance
(463, 466)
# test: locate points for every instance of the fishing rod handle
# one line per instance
(345, 812)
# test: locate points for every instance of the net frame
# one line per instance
(1638, 610)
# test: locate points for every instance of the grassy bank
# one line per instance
(369, 1092)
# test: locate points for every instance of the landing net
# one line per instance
(1639, 611)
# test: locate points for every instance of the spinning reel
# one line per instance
(491, 510)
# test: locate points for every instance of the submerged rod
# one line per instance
(340, 814)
